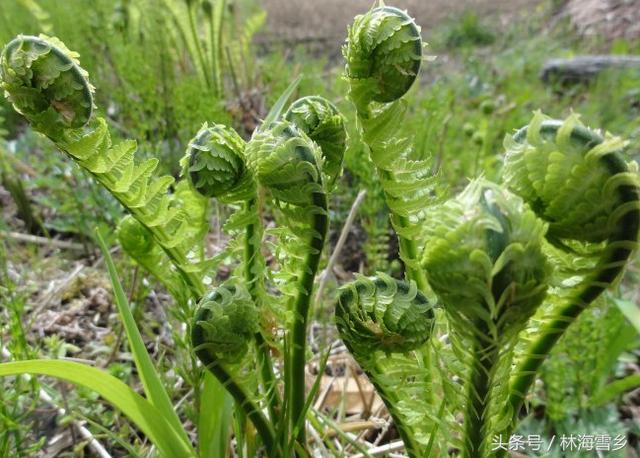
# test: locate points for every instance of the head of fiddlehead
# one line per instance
(323, 123)
(215, 164)
(386, 324)
(572, 177)
(383, 314)
(484, 259)
(224, 325)
(383, 55)
(287, 162)
(578, 181)
(45, 83)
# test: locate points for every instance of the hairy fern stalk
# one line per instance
(494, 275)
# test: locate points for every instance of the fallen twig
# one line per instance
(41, 240)
(381, 450)
(324, 276)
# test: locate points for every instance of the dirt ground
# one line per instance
(327, 20)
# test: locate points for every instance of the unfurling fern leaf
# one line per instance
(578, 181)
(285, 161)
(222, 331)
(385, 324)
(383, 54)
(484, 260)
(489, 241)
(44, 82)
(383, 57)
(215, 164)
(324, 124)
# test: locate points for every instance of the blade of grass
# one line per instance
(150, 379)
(310, 397)
(630, 311)
(216, 406)
(277, 108)
(140, 411)
(615, 389)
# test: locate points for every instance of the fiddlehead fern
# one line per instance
(323, 123)
(484, 259)
(44, 81)
(288, 163)
(578, 181)
(223, 328)
(383, 56)
(385, 323)
(215, 164)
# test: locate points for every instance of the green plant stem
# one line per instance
(216, 44)
(412, 448)
(242, 399)
(485, 357)
(297, 360)
(620, 247)
(252, 266)
(408, 247)
(196, 42)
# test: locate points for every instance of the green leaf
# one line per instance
(615, 389)
(630, 311)
(151, 382)
(140, 411)
(214, 421)
(277, 108)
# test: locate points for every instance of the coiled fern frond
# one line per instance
(383, 55)
(222, 333)
(44, 81)
(215, 163)
(577, 180)
(566, 172)
(224, 324)
(489, 241)
(484, 259)
(385, 324)
(286, 162)
(323, 123)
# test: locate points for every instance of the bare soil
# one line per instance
(327, 20)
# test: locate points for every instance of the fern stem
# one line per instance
(301, 312)
(485, 357)
(412, 448)
(620, 247)
(408, 247)
(243, 401)
(409, 254)
(254, 282)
